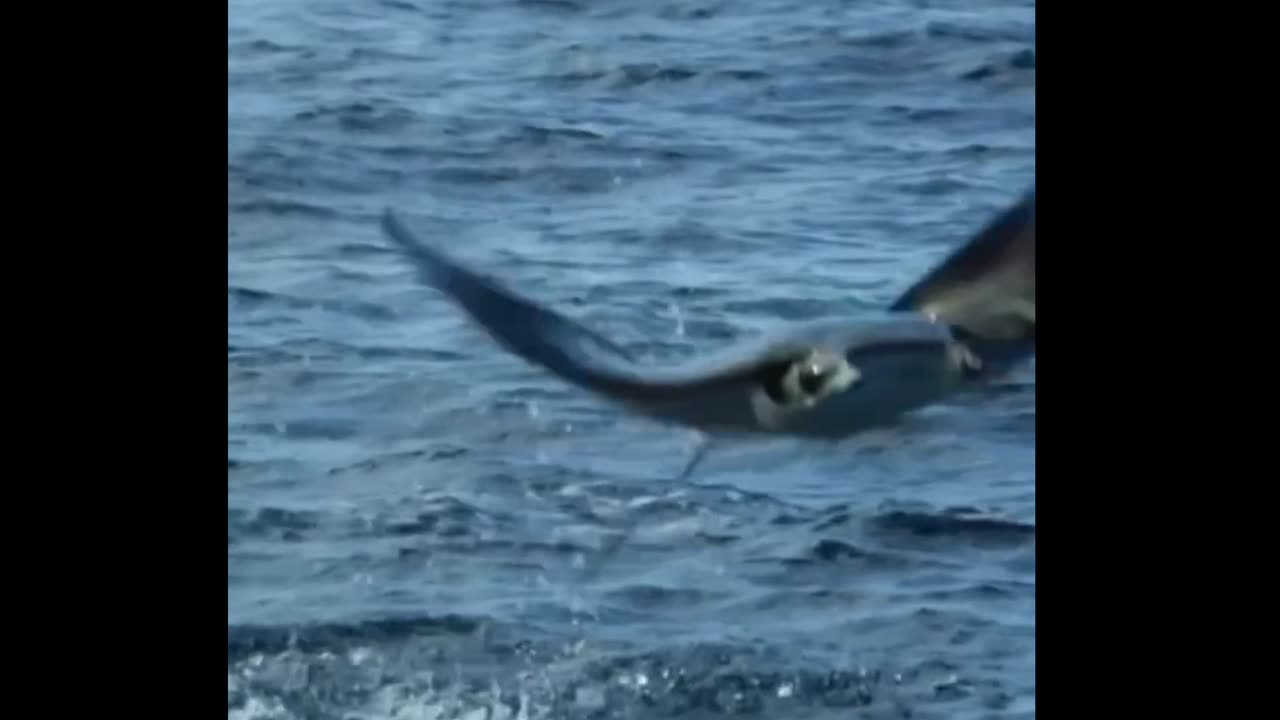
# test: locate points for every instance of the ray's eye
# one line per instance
(812, 377)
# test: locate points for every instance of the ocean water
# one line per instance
(420, 526)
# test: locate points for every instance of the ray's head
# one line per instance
(813, 378)
(870, 377)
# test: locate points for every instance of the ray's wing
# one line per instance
(986, 290)
(568, 349)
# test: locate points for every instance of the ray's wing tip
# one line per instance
(391, 224)
(433, 268)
